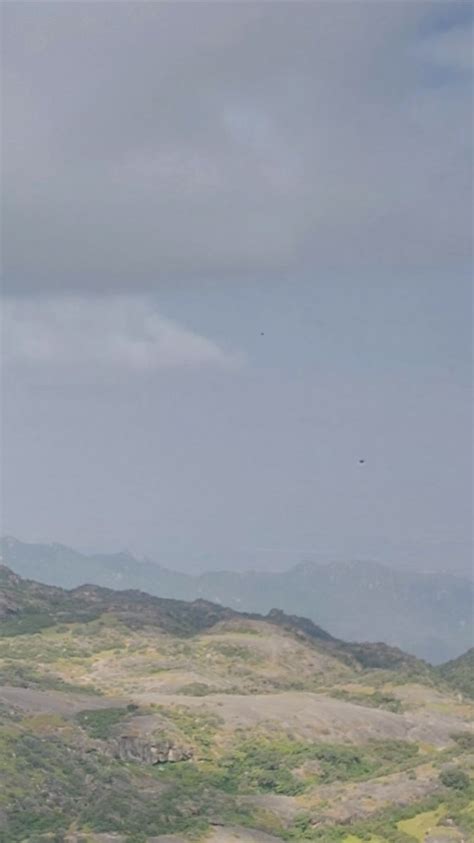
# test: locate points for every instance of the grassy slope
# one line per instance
(211, 683)
(459, 673)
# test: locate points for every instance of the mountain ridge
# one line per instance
(428, 614)
(32, 606)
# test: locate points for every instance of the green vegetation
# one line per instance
(48, 780)
(376, 699)
(66, 765)
(100, 723)
(28, 623)
(455, 778)
(465, 740)
(24, 676)
(459, 673)
(49, 783)
(392, 825)
(195, 689)
(267, 765)
(418, 826)
(236, 651)
(199, 727)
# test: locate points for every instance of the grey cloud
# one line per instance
(145, 143)
(92, 336)
(451, 49)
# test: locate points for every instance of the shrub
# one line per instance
(455, 778)
(465, 740)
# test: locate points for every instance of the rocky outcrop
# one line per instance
(148, 750)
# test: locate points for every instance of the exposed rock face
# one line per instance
(8, 580)
(8, 609)
(148, 751)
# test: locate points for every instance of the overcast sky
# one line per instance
(236, 262)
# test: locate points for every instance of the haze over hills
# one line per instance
(129, 718)
(427, 614)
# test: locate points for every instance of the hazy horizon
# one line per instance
(237, 277)
(243, 561)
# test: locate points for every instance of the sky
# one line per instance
(236, 262)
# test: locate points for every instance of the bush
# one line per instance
(195, 689)
(455, 778)
(465, 740)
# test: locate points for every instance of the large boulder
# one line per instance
(148, 750)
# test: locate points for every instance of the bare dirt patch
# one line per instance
(35, 701)
(236, 834)
(318, 717)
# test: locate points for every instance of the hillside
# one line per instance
(427, 614)
(460, 673)
(127, 717)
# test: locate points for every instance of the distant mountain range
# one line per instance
(426, 614)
